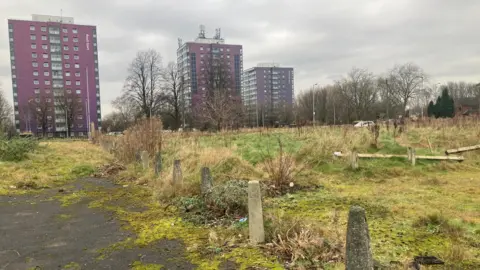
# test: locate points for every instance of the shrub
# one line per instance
(16, 149)
(280, 169)
(224, 202)
(146, 135)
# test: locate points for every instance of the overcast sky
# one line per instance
(321, 39)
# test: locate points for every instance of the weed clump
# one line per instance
(302, 245)
(437, 223)
(16, 149)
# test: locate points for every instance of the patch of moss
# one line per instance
(72, 266)
(72, 198)
(64, 216)
(137, 265)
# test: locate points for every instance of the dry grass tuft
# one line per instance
(304, 246)
(280, 169)
(146, 135)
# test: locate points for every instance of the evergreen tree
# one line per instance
(431, 109)
(444, 107)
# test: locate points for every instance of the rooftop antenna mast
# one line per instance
(61, 15)
(202, 31)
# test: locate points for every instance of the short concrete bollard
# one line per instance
(158, 163)
(413, 156)
(206, 184)
(255, 213)
(358, 253)
(177, 173)
(144, 158)
(354, 159)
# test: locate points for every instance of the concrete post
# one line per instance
(137, 156)
(92, 131)
(409, 153)
(158, 163)
(358, 253)
(354, 159)
(413, 156)
(255, 213)
(177, 173)
(206, 184)
(144, 158)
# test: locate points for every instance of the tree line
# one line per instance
(152, 89)
(401, 91)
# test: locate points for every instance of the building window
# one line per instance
(201, 48)
(78, 91)
(67, 73)
(46, 73)
(80, 134)
(65, 39)
(77, 74)
(45, 47)
(65, 30)
(44, 37)
(37, 91)
(66, 56)
(35, 82)
(75, 39)
(33, 46)
(37, 100)
(80, 117)
(77, 83)
(76, 57)
(49, 117)
(45, 55)
(75, 48)
(32, 28)
(77, 65)
(228, 49)
(69, 91)
(65, 48)
(43, 29)
(34, 64)
(47, 82)
(45, 64)
(69, 83)
(74, 31)
(67, 66)
(12, 57)
(35, 73)
(34, 55)
(49, 100)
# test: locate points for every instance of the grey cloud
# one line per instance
(321, 39)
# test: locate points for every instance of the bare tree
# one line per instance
(406, 81)
(218, 105)
(5, 112)
(127, 109)
(359, 92)
(172, 91)
(71, 106)
(41, 107)
(143, 82)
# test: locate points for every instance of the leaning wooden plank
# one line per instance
(462, 149)
(380, 156)
(458, 158)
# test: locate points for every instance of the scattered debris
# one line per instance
(109, 170)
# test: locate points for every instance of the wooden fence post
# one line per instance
(206, 183)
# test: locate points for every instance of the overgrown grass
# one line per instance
(396, 196)
(54, 163)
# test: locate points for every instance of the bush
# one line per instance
(281, 169)
(224, 202)
(16, 149)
